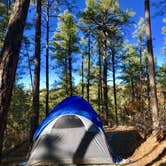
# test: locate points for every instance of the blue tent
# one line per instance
(74, 105)
(72, 133)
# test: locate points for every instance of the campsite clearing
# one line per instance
(126, 140)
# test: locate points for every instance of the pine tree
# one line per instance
(130, 67)
(48, 5)
(99, 76)
(153, 91)
(89, 63)
(64, 45)
(140, 35)
(105, 17)
(83, 42)
(9, 58)
(36, 84)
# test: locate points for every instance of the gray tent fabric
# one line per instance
(70, 139)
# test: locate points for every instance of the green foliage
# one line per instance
(105, 15)
(130, 63)
(139, 32)
(134, 63)
(3, 22)
(91, 3)
(64, 44)
(161, 82)
(134, 75)
(161, 76)
(67, 28)
(18, 118)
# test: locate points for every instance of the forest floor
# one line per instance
(128, 143)
(125, 141)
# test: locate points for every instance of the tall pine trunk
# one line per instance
(99, 80)
(105, 89)
(153, 91)
(66, 75)
(8, 60)
(147, 85)
(132, 85)
(29, 67)
(70, 70)
(89, 61)
(82, 76)
(47, 59)
(105, 72)
(36, 86)
(140, 80)
(114, 86)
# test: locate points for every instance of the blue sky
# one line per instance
(156, 24)
(135, 5)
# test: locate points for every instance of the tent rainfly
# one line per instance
(72, 133)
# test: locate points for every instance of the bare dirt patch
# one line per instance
(128, 143)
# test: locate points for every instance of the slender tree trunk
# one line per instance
(66, 75)
(148, 84)
(132, 86)
(101, 86)
(82, 76)
(35, 100)
(99, 80)
(101, 91)
(105, 86)
(114, 86)
(89, 61)
(153, 91)
(70, 75)
(29, 67)
(105, 89)
(47, 59)
(70, 70)
(8, 60)
(140, 81)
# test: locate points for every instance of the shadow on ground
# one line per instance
(124, 143)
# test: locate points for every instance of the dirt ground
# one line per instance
(128, 143)
(125, 141)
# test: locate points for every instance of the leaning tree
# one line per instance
(9, 58)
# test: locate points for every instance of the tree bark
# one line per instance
(88, 77)
(82, 76)
(8, 60)
(140, 80)
(36, 85)
(66, 75)
(99, 80)
(105, 89)
(47, 59)
(105, 72)
(114, 86)
(153, 90)
(29, 67)
(70, 70)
